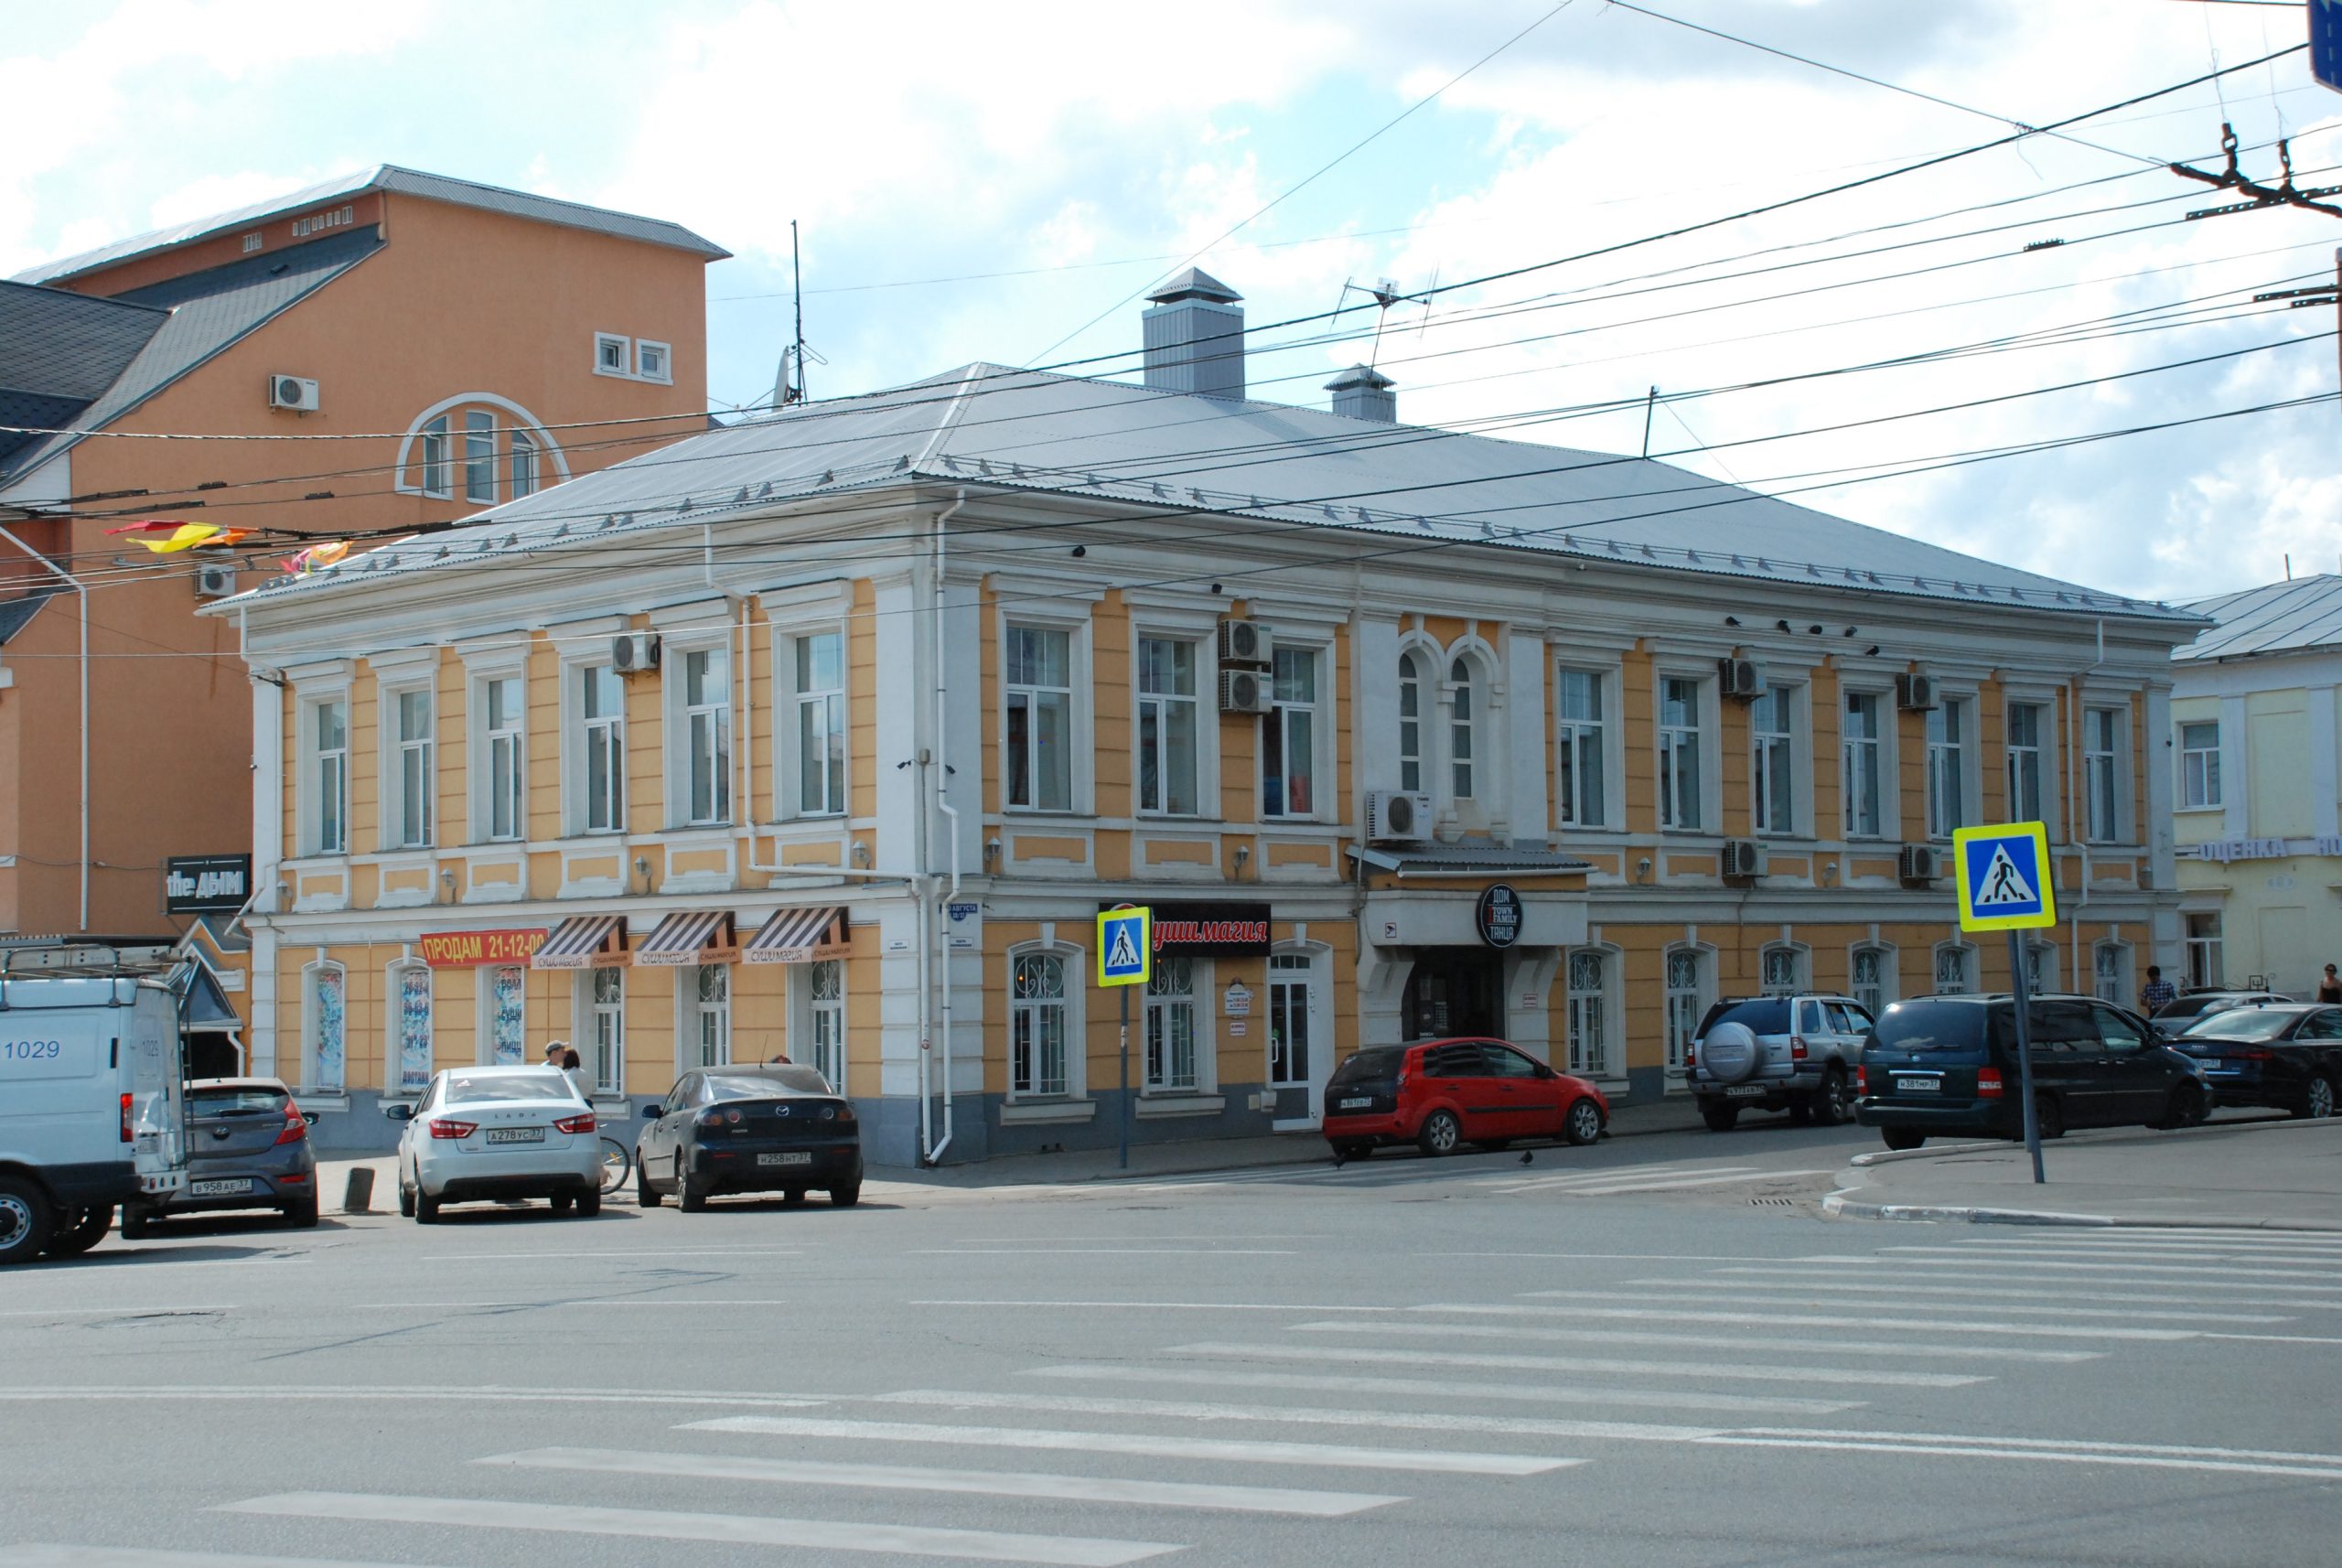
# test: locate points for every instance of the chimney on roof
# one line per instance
(1364, 393)
(1195, 337)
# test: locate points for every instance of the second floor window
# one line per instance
(707, 735)
(2100, 729)
(1040, 718)
(1773, 728)
(820, 725)
(1946, 767)
(330, 752)
(415, 746)
(1411, 722)
(1289, 744)
(506, 804)
(601, 709)
(1864, 765)
(2199, 766)
(2025, 762)
(1679, 753)
(1463, 719)
(1166, 726)
(1581, 759)
(479, 455)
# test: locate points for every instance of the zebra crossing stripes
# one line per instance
(1898, 1349)
(1742, 1371)
(1446, 1389)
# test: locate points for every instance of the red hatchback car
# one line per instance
(1441, 1093)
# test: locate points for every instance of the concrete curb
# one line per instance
(1838, 1207)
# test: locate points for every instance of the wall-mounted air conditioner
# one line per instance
(215, 582)
(637, 650)
(1915, 693)
(1245, 692)
(1743, 859)
(1397, 816)
(1739, 678)
(1244, 642)
(298, 393)
(1919, 863)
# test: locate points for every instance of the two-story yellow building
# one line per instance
(830, 734)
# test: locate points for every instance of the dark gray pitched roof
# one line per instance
(1300, 467)
(14, 613)
(403, 181)
(207, 312)
(2291, 617)
(58, 351)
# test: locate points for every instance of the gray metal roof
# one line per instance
(1420, 490)
(68, 344)
(16, 613)
(1195, 284)
(402, 182)
(1465, 858)
(207, 312)
(2291, 617)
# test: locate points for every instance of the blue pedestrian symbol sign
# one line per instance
(1125, 947)
(2004, 878)
(2325, 42)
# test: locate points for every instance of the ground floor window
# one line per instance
(1171, 1024)
(410, 1028)
(1955, 969)
(508, 1015)
(1453, 991)
(1783, 970)
(711, 1013)
(2110, 973)
(1873, 975)
(1685, 992)
(607, 1009)
(1289, 997)
(825, 1014)
(2204, 965)
(326, 1022)
(1037, 1025)
(2040, 968)
(1588, 1013)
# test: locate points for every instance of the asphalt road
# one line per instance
(1651, 1352)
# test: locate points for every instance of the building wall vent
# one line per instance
(1195, 337)
(1364, 393)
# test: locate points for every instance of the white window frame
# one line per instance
(400, 801)
(2205, 961)
(437, 477)
(2199, 767)
(1164, 708)
(325, 771)
(592, 1012)
(1593, 1013)
(1669, 739)
(1880, 749)
(2045, 725)
(520, 463)
(833, 702)
(313, 1025)
(1423, 685)
(479, 457)
(1197, 1002)
(1076, 1085)
(646, 347)
(1953, 969)
(484, 1032)
(1952, 762)
(580, 736)
(1311, 718)
(1582, 796)
(1884, 991)
(1771, 797)
(1784, 969)
(814, 1015)
(2104, 764)
(1685, 1003)
(396, 1022)
(2117, 974)
(699, 735)
(624, 368)
(2043, 972)
(1078, 708)
(693, 1013)
(1463, 752)
(499, 753)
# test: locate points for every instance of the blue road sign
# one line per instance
(1125, 947)
(2325, 42)
(2004, 878)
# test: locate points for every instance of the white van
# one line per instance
(91, 1108)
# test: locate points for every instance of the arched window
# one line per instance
(1172, 1025)
(2040, 968)
(505, 451)
(1463, 723)
(1588, 1011)
(1955, 969)
(324, 1026)
(1045, 1022)
(408, 1071)
(1687, 1000)
(2111, 972)
(1872, 971)
(1782, 970)
(1411, 722)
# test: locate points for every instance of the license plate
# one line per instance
(796, 1159)
(219, 1189)
(516, 1134)
(1354, 1105)
(1932, 1083)
(1745, 1091)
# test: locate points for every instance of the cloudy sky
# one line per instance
(1001, 182)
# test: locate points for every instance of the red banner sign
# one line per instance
(467, 950)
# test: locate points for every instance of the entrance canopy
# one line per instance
(799, 935)
(584, 941)
(689, 937)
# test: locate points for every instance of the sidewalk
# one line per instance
(2256, 1175)
(1201, 1156)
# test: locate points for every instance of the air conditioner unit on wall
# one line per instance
(215, 582)
(1919, 863)
(1915, 693)
(1743, 859)
(1244, 642)
(1245, 692)
(637, 650)
(1740, 678)
(1397, 817)
(298, 393)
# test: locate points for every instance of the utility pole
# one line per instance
(796, 287)
(1651, 406)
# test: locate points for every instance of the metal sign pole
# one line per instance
(1123, 1159)
(2025, 1055)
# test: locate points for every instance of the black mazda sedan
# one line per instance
(748, 1128)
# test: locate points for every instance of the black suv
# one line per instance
(1947, 1065)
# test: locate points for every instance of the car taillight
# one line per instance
(1797, 1047)
(1988, 1083)
(576, 1123)
(445, 1127)
(845, 1111)
(1691, 1058)
(125, 1119)
(1861, 1081)
(296, 1126)
(1399, 1084)
(2259, 1054)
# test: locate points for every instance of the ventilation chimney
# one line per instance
(1195, 337)
(1364, 393)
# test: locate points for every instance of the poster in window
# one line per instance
(508, 1026)
(414, 1029)
(327, 1063)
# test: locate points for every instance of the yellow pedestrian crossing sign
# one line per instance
(2004, 878)
(1125, 947)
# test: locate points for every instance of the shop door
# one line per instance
(1298, 1057)
(1454, 991)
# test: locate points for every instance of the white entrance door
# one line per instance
(1299, 1049)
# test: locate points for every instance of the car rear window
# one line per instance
(1380, 1065)
(474, 1089)
(766, 1085)
(1928, 1025)
(1761, 1015)
(236, 1102)
(2241, 1024)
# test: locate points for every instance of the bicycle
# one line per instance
(617, 1163)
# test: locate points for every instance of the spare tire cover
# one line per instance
(1730, 1053)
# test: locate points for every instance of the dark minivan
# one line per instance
(1946, 1066)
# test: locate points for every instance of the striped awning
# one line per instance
(584, 941)
(689, 935)
(799, 935)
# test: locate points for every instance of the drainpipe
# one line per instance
(2081, 838)
(934, 1153)
(81, 589)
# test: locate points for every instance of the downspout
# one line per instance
(81, 589)
(934, 1153)
(2073, 768)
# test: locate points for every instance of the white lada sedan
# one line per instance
(490, 1132)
